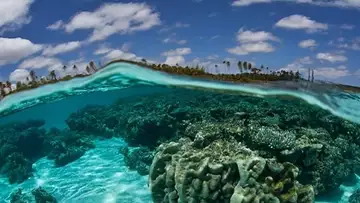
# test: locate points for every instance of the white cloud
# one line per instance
(253, 42)
(214, 37)
(213, 14)
(181, 25)
(61, 48)
(15, 49)
(176, 56)
(56, 26)
(14, 14)
(331, 57)
(256, 47)
(114, 18)
(177, 52)
(126, 46)
(332, 3)
(40, 62)
(301, 64)
(118, 54)
(347, 27)
(213, 57)
(309, 43)
(301, 22)
(80, 64)
(332, 72)
(305, 60)
(172, 39)
(342, 43)
(102, 50)
(244, 36)
(111, 54)
(249, 2)
(19, 75)
(173, 60)
(177, 25)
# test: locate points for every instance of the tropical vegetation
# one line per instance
(247, 73)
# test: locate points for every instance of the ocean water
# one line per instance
(96, 139)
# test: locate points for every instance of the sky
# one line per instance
(43, 35)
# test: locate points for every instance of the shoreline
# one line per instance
(198, 73)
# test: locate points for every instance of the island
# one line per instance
(247, 73)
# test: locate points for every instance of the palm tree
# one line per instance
(52, 75)
(249, 66)
(245, 65)
(312, 75)
(88, 70)
(292, 75)
(143, 60)
(8, 85)
(262, 68)
(240, 67)
(75, 68)
(33, 76)
(267, 70)
(228, 64)
(18, 84)
(64, 68)
(2, 92)
(93, 66)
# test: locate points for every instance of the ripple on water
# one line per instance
(99, 176)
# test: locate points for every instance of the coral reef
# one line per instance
(324, 148)
(139, 159)
(19, 197)
(17, 168)
(41, 196)
(92, 119)
(38, 195)
(22, 143)
(222, 171)
(67, 146)
(355, 197)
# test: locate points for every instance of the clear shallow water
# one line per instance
(122, 75)
(101, 174)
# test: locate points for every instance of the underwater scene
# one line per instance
(179, 101)
(131, 134)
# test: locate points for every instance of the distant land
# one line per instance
(247, 74)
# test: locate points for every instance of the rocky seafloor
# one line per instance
(198, 146)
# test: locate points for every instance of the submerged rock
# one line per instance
(41, 196)
(19, 197)
(138, 159)
(38, 195)
(355, 197)
(67, 146)
(17, 168)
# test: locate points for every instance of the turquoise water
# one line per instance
(125, 105)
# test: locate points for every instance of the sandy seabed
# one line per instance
(100, 176)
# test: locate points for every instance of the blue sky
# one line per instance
(44, 35)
